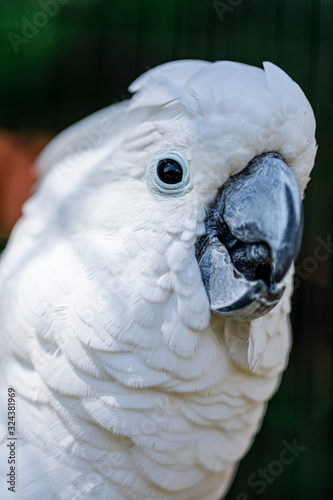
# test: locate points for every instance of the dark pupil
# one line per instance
(169, 171)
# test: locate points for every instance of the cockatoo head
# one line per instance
(200, 190)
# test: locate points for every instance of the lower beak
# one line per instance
(253, 234)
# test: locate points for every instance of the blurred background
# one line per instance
(63, 59)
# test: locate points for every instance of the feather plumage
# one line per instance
(128, 387)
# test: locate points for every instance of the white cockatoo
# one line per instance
(145, 292)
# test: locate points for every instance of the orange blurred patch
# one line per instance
(18, 152)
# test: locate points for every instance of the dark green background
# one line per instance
(85, 57)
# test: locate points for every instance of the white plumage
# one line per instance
(127, 386)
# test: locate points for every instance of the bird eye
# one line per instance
(169, 174)
(169, 171)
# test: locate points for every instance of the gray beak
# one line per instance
(253, 234)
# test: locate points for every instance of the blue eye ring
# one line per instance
(176, 175)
